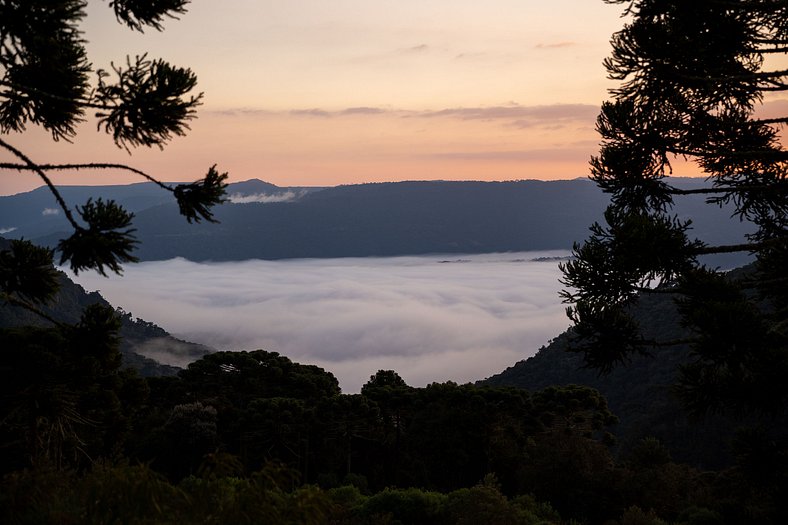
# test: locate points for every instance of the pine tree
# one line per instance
(692, 77)
(45, 80)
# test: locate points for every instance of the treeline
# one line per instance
(251, 437)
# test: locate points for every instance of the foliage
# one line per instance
(193, 452)
(65, 399)
(691, 76)
(45, 81)
(244, 376)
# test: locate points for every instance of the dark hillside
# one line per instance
(639, 393)
(138, 337)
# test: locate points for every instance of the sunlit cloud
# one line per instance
(3, 231)
(314, 112)
(518, 116)
(50, 211)
(429, 318)
(362, 111)
(521, 114)
(555, 45)
(558, 154)
(397, 55)
(774, 108)
(287, 196)
(421, 48)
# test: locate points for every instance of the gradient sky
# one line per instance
(308, 92)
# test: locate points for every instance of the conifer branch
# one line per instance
(90, 165)
(35, 167)
(9, 299)
(19, 90)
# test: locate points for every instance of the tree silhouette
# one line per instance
(45, 81)
(65, 392)
(692, 76)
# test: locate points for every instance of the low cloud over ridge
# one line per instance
(429, 318)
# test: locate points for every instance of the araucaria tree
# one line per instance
(66, 397)
(47, 80)
(693, 76)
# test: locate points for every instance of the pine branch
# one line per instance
(35, 167)
(777, 155)
(9, 299)
(729, 189)
(731, 248)
(781, 120)
(91, 165)
(781, 50)
(23, 89)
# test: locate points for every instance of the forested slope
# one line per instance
(138, 337)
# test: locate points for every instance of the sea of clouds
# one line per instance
(430, 318)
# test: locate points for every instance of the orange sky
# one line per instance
(309, 92)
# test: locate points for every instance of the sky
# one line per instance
(315, 93)
(429, 320)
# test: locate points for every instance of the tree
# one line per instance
(45, 81)
(692, 76)
(67, 396)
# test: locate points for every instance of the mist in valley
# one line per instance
(430, 318)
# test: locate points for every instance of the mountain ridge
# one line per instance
(382, 219)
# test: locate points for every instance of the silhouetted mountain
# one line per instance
(138, 338)
(36, 213)
(404, 218)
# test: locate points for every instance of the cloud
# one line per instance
(427, 320)
(243, 111)
(314, 112)
(556, 45)
(558, 154)
(774, 108)
(3, 231)
(287, 196)
(167, 349)
(522, 116)
(553, 115)
(362, 111)
(421, 48)
(50, 211)
(387, 57)
(323, 113)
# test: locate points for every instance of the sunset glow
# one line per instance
(309, 93)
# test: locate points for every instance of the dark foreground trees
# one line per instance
(693, 77)
(61, 377)
(65, 401)
(45, 80)
(696, 82)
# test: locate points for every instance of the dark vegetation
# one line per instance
(642, 392)
(251, 437)
(253, 434)
(137, 337)
(692, 75)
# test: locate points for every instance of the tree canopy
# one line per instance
(47, 80)
(693, 79)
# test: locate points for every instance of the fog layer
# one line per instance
(433, 318)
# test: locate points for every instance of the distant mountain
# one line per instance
(36, 213)
(140, 340)
(265, 221)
